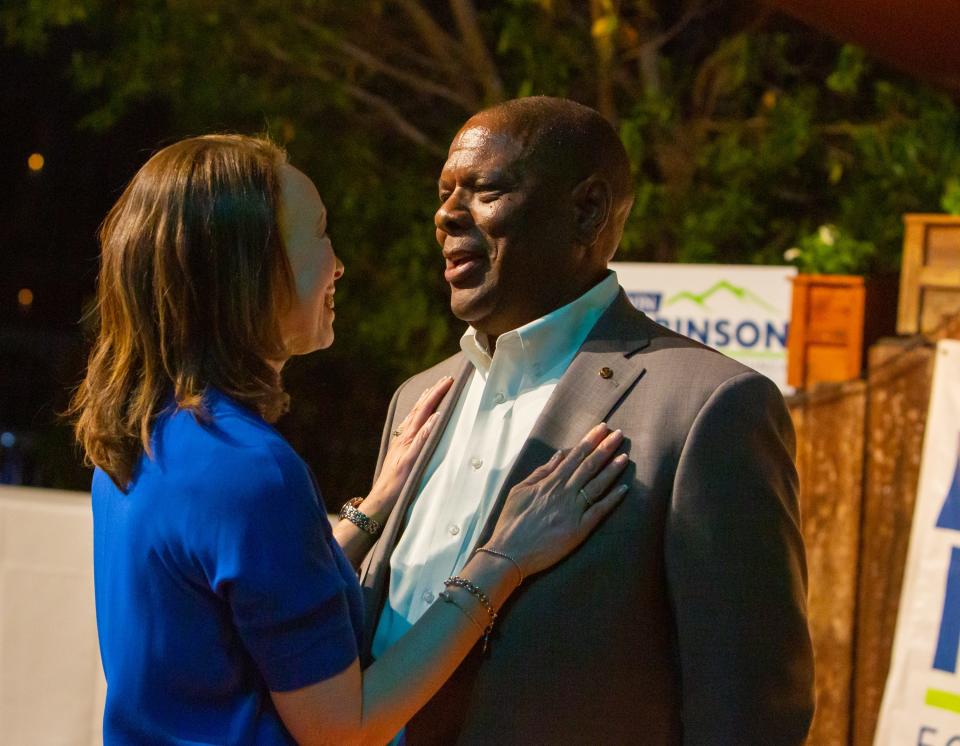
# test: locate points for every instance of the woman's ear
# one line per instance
(593, 203)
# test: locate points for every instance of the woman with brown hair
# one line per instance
(228, 610)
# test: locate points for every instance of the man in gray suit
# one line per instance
(683, 618)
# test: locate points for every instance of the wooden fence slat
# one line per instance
(898, 395)
(830, 446)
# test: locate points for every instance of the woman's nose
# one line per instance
(338, 271)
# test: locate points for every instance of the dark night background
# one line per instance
(751, 125)
(48, 244)
(48, 224)
(747, 129)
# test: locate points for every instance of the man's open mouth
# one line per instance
(462, 265)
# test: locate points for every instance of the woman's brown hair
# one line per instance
(193, 278)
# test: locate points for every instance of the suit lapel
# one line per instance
(603, 371)
(376, 571)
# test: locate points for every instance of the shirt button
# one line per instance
(499, 398)
(476, 463)
(453, 529)
(427, 597)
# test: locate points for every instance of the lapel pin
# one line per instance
(605, 372)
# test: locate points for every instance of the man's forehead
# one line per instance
(477, 136)
(480, 141)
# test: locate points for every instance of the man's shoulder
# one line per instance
(684, 372)
(687, 356)
(690, 363)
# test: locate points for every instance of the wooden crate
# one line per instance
(825, 343)
(930, 273)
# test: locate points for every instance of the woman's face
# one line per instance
(308, 325)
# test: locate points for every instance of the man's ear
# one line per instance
(593, 203)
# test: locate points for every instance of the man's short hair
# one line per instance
(567, 137)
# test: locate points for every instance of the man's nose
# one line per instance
(452, 217)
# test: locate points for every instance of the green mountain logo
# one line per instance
(741, 294)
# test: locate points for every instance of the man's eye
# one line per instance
(489, 194)
(444, 196)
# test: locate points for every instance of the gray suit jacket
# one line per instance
(682, 619)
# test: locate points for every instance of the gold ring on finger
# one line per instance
(398, 432)
(587, 500)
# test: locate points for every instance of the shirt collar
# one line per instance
(545, 342)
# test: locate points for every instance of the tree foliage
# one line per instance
(747, 132)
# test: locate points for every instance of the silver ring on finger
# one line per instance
(587, 501)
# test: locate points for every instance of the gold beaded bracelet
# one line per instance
(498, 553)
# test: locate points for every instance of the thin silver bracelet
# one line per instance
(445, 595)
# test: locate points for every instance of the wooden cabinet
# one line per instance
(930, 273)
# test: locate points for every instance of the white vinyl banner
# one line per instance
(921, 703)
(741, 310)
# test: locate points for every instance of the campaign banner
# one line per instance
(741, 310)
(921, 702)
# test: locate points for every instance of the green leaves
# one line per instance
(950, 201)
(29, 23)
(753, 134)
(758, 152)
(829, 251)
(851, 65)
(746, 132)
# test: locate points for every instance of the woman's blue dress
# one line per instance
(217, 580)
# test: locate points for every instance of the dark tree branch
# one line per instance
(399, 122)
(601, 11)
(840, 128)
(371, 62)
(465, 16)
(384, 108)
(443, 48)
(696, 9)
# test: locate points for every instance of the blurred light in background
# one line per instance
(25, 297)
(35, 162)
(8, 440)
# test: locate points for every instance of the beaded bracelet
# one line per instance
(359, 519)
(474, 591)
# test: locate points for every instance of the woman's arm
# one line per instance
(544, 519)
(401, 455)
(370, 707)
(354, 541)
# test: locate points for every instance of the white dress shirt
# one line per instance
(489, 424)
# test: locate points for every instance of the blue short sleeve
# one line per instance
(274, 566)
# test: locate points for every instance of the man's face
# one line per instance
(504, 229)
